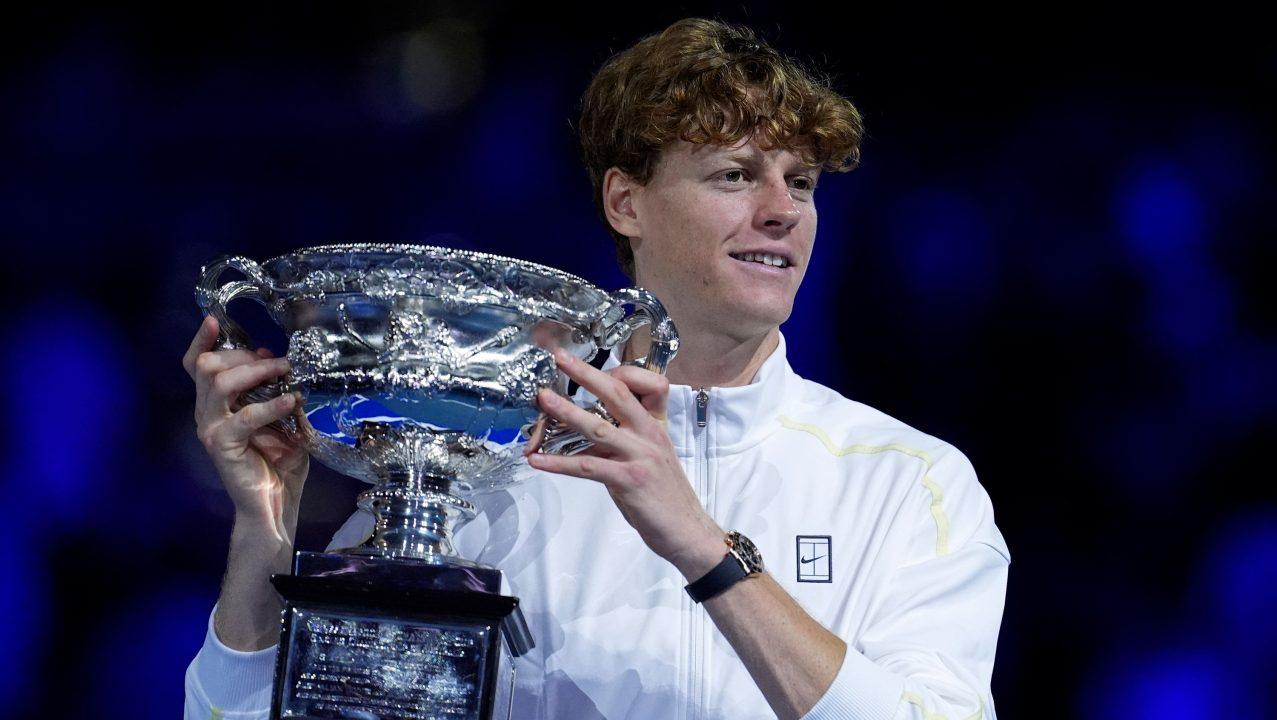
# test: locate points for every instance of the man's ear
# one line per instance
(618, 203)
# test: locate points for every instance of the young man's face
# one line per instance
(707, 207)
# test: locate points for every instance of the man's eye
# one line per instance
(734, 175)
(802, 182)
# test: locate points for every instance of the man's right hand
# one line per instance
(263, 472)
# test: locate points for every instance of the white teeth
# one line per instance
(764, 258)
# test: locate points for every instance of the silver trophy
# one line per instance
(419, 369)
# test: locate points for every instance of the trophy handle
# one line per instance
(213, 299)
(613, 329)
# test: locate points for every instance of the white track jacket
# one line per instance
(881, 532)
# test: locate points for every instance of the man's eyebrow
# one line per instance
(806, 169)
(748, 157)
(739, 156)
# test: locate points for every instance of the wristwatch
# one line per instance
(742, 560)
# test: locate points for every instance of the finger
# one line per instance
(230, 383)
(209, 364)
(265, 352)
(590, 467)
(652, 389)
(602, 433)
(536, 436)
(255, 416)
(203, 341)
(618, 399)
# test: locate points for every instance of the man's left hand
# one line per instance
(635, 461)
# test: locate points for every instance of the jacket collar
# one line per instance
(736, 417)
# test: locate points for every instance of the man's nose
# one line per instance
(778, 212)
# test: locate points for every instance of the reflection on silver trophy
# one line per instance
(418, 368)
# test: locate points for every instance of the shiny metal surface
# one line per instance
(419, 366)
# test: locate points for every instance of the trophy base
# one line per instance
(384, 639)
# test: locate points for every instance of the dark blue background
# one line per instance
(1056, 255)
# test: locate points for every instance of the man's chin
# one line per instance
(752, 321)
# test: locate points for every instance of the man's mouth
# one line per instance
(762, 258)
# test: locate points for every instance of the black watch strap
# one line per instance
(726, 573)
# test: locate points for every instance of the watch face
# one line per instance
(747, 552)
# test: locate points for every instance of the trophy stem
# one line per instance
(415, 517)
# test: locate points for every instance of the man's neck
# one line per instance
(711, 359)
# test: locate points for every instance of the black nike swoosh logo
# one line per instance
(805, 561)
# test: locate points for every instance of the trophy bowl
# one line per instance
(419, 367)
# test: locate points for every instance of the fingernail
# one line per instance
(563, 357)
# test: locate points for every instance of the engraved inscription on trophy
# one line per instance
(347, 664)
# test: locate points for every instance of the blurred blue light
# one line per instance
(1173, 683)
(71, 380)
(139, 661)
(24, 603)
(947, 252)
(515, 152)
(1241, 576)
(1161, 216)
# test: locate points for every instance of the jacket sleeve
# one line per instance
(226, 684)
(928, 647)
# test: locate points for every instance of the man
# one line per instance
(885, 575)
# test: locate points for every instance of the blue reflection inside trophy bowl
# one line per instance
(339, 418)
(497, 434)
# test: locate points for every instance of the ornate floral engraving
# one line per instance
(459, 278)
(313, 351)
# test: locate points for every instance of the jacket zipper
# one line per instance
(699, 617)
